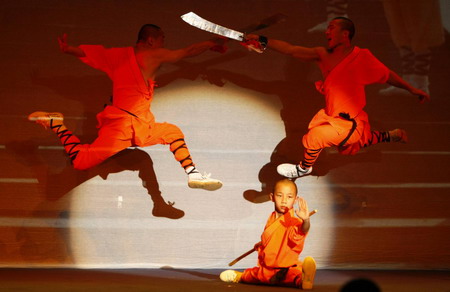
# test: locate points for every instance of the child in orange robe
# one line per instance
(281, 244)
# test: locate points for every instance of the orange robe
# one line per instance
(281, 244)
(128, 121)
(344, 90)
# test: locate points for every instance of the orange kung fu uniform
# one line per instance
(281, 244)
(128, 121)
(345, 98)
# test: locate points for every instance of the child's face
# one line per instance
(284, 197)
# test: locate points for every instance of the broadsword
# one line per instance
(203, 24)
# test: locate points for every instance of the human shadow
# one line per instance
(59, 184)
(196, 273)
(299, 102)
(131, 159)
(56, 185)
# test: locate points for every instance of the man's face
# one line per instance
(284, 197)
(158, 42)
(334, 34)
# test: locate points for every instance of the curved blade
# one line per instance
(203, 24)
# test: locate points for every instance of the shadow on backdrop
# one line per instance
(299, 103)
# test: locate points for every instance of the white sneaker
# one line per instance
(292, 170)
(421, 82)
(394, 91)
(44, 118)
(309, 272)
(398, 135)
(230, 276)
(321, 27)
(196, 180)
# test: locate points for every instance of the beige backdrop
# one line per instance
(242, 114)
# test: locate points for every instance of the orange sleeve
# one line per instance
(371, 69)
(97, 57)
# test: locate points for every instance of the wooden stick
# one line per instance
(253, 249)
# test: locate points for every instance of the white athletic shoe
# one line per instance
(44, 118)
(309, 272)
(394, 91)
(230, 276)
(196, 180)
(321, 27)
(292, 170)
(398, 135)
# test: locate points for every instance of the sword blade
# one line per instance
(203, 24)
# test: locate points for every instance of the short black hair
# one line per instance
(346, 24)
(148, 30)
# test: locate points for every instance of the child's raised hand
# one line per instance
(303, 211)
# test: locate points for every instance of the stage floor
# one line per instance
(161, 280)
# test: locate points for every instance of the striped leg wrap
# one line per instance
(407, 57)
(336, 8)
(378, 137)
(422, 63)
(68, 140)
(310, 157)
(181, 153)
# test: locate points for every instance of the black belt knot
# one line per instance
(346, 116)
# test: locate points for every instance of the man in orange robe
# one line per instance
(347, 69)
(129, 121)
(281, 244)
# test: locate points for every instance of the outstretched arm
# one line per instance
(397, 81)
(67, 49)
(172, 56)
(303, 213)
(299, 52)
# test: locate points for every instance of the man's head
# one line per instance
(151, 34)
(340, 30)
(284, 195)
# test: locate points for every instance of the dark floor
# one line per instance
(204, 280)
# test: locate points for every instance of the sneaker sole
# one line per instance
(230, 276)
(403, 136)
(45, 116)
(209, 186)
(309, 272)
(33, 119)
(282, 173)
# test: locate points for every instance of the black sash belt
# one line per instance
(280, 275)
(346, 116)
(128, 112)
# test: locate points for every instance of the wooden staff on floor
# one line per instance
(254, 249)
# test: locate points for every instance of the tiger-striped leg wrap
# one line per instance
(378, 137)
(407, 60)
(68, 140)
(336, 8)
(181, 153)
(310, 157)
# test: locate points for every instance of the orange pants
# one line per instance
(113, 137)
(326, 136)
(325, 131)
(261, 275)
